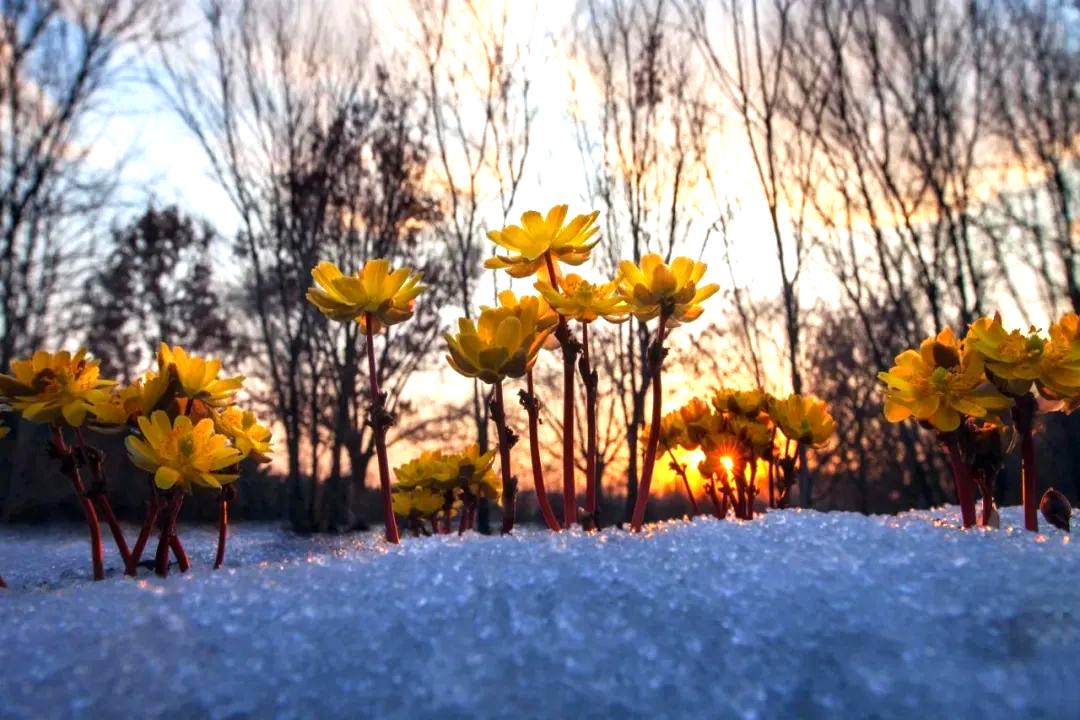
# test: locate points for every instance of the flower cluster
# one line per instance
(739, 432)
(185, 431)
(504, 342)
(188, 433)
(436, 486)
(971, 391)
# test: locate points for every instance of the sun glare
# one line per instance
(728, 462)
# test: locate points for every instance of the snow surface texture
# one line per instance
(797, 614)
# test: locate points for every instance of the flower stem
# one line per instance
(962, 479)
(152, 507)
(985, 487)
(71, 469)
(182, 560)
(95, 459)
(465, 520)
(772, 470)
(532, 410)
(509, 490)
(379, 421)
(1025, 423)
(654, 429)
(168, 530)
(718, 509)
(227, 494)
(589, 377)
(679, 468)
(569, 350)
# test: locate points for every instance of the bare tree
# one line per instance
(58, 60)
(321, 160)
(480, 111)
(778, 116)
(1035, 112)
(641, 163)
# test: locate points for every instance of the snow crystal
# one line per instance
(798, 614)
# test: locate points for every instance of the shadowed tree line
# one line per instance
(903, 166)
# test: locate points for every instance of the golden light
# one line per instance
(729, 463)
(666, 480)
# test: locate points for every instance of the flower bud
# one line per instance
(1056, 509)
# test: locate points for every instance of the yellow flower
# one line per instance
(1015, 360)
(939, 384)
(672, 431)
(247, 435)
(1012, 358)
(584, 301)
(655, 288)
(538, 236)
(421, 501)
(197, 377)
(387, 297)
(698, 421)
(803, 418)
(742, 402)
(430, 469)
(473, 470)
(54, 387)
(503, 342)
(450, 474)
(117, 409)
(1059, 366)
(179, 453)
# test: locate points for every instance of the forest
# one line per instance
(857, 174)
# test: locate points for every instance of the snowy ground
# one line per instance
(798, 614)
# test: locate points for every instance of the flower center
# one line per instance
(940, 378)
(186, 446)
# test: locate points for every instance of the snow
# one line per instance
(798, 614)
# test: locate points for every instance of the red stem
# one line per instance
(686, 481)
(161, 557)
(97, 560)
(987, 501)
(94, 458)
(1025, 422)
(499, 416)
(751, 490)
(462, 520)
(379, 428)
(772, 470)
(114, 526)
(168, 530)
(532, 409)
(965, 495)
(152, 507)
(182, 560)
(569, 486)
(590, 427)
(223, 530)
(717, 509)
(654, 433)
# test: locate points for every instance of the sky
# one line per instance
(164, 162)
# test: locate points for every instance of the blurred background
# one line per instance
(857, 173)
